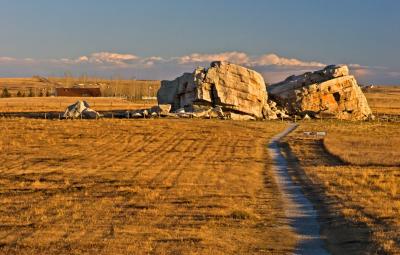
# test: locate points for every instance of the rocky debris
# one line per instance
(367, 88)
(274, 112)
(204, 113)
(235, 116)
(327, 92)
(234, 88)
(162, 109)
(80, 109)
(140, 113)
(201, 112)
(217, 112)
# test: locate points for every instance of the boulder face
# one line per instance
(234, 88)
(328, 92)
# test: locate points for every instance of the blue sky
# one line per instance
(157, 39)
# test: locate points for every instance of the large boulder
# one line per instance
(328, 92)
(80, 109)
(234, 88)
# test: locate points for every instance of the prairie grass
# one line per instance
(115, 87)
(139, 187)
(384, 100)
(59, 104)
(361, 143)
(356, 172)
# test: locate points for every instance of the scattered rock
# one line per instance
(162, 109)
(217, 112)
(80, 109)
(330, 92)
(205, 114)
(234, 116)
(137, 115)
(180, 110)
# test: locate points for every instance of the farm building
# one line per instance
(78, 92)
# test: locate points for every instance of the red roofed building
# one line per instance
(78, 92)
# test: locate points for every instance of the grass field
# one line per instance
(59, 104)
(364, 144)
(191, 186)
(355, 173)
(384, 99)
(139, 187)
(42, 86)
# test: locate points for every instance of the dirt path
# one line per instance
(300, 211)
(354, 208)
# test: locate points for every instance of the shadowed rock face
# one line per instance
(331, 92)
(234, 88)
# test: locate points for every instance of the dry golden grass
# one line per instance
(133, 89)
(20, 82)
(363, 201)
(139, 187)
(384, 100)
(59, 104)
(368, 195)
(363, 143)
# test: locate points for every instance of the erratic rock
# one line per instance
(328, 92)
(234, 88)
(80, 109)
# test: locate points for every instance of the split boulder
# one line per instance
(328, 92)
(233, 88)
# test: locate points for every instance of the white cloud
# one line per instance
(151, 61)
(272, 66)
(242, 58)
(273, 59)
(239, 58)
(104, 58)
(6, 59)
(82, 59)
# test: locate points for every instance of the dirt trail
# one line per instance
(299, 209)
(320, 174)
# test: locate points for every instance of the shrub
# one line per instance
(31, 93)
(5, 93)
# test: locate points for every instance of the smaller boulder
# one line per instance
(217, 112)
(80, 109)
(180, 111)
(235, 116)
(202, 114)
(161, 109)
